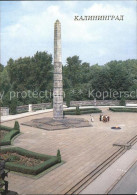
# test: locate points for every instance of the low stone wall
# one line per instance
(22, 109)
(131, 102)
(25, 108)
(100, 102)
(41, 106)
(4, 111)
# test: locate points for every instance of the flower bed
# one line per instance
(28, 162)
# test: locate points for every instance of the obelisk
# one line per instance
(57, 91)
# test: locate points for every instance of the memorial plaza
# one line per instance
(82, 149)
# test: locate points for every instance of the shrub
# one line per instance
(59, 156)
(21, 111)
(77, 110)
(16, 125)
(2, 184)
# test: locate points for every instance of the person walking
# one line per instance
(92, 119)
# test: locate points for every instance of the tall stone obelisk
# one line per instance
(58, 90)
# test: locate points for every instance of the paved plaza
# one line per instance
(82, 149)
(118, 178)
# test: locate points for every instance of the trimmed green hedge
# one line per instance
(5, 128)
(34, 170)
(123, 109)
(82, 111)
(22, 111)
(8, 137)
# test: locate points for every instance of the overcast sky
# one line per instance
(27, 27)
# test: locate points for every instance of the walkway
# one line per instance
(112, 176)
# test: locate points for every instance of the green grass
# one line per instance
(49, 161)
(123, 109)
(11, 132)
(82, 111)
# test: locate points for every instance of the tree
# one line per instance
(1, 67)
(5, 84)
(122, 101)
(68, 99)
(13, 106)
(31, 73)
(73, 70)
(79, 78)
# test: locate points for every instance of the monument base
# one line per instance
(51, 124)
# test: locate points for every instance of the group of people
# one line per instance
(104, 118)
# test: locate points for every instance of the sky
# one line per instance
(28, 27)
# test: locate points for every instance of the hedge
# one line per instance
(123, 109)
(21, 111)
(82, 111)
(8, 137)
(34, 170)
(2, 127)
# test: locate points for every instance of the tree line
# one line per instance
(79, 79)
